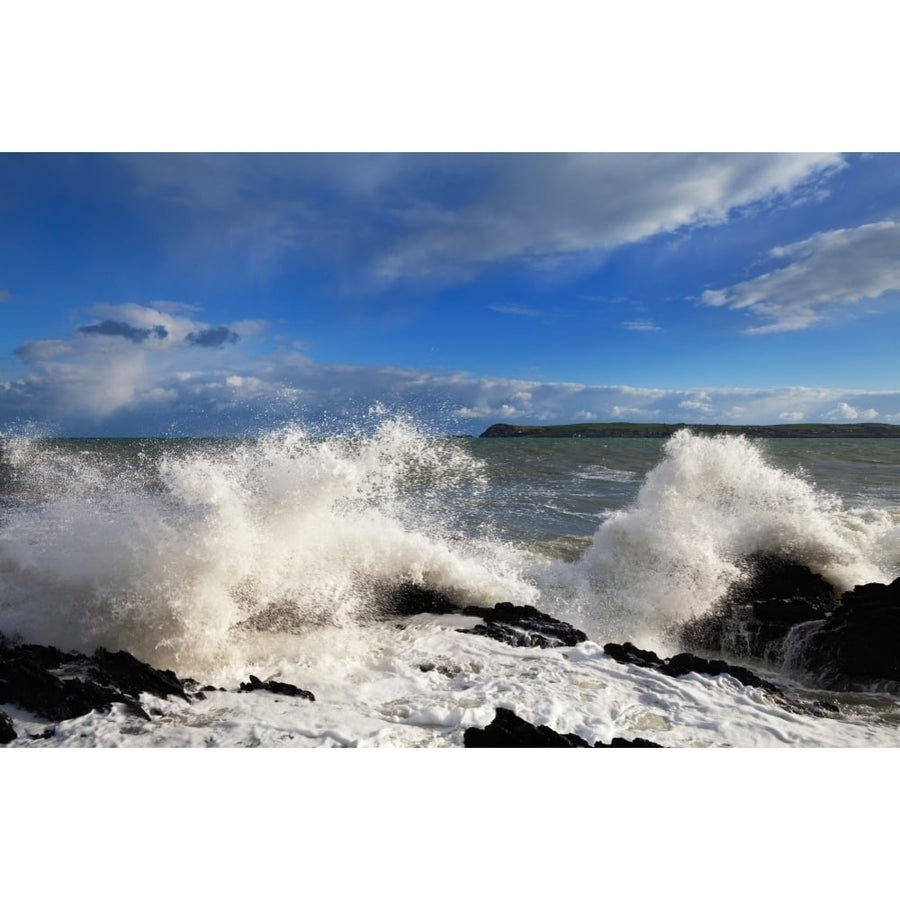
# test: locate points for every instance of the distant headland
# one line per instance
(659, 430)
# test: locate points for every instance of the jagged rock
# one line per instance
(508, 730)
(520, 626)
(7, 731)
(133, 677)
(275, 687)
(27, 682)
(411, 599)
(684, 663)
(757, 614)
(859, 641)
(786, 614)
(523, 626)
(625, 742)
(628, 653)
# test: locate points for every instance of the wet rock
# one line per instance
(859, 641)
(7, 731)
(786, 614)
(53, 684)
(508, 730)
(757, 614)
(133, 677)
(685, 663)
(275, 687)
(411, 599)
(523, 626)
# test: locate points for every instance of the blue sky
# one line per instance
(215, 294)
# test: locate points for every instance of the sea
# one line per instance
(271, 555)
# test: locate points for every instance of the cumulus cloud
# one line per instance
(88, 384)
(92, 378)
(827, 273)
(123, 329)
(845, 411)
(213, 337)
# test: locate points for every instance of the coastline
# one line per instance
(662, 430)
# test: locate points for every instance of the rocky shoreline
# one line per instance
(782, 614)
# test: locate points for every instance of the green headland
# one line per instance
(659, 430)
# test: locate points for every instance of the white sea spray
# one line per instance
(711, 503)
(181, 558)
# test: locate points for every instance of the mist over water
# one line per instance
(199, 555)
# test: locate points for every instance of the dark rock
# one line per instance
(628, 653)
(786, 614)
(859, 641)
(49, 657)
(523, 626)
(685, 663)
(756, 615)
(134, 677)
(275, 687)
(508, 730)
(26, 682)
(7, 731)
(411, 599)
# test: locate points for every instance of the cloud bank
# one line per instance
(414, 217)
(96, 383)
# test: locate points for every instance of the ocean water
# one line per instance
(269, 556)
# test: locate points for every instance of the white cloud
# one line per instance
(697, 405)
(512, 310)
(827, 273)
(543, 206)
(641, 325)
(99, 384)
(845, 411)
(136, 356)
(440, 217)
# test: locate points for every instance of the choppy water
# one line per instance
(215, 558)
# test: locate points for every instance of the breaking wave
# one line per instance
(194, 555)
(182, 555)
(711, 503)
